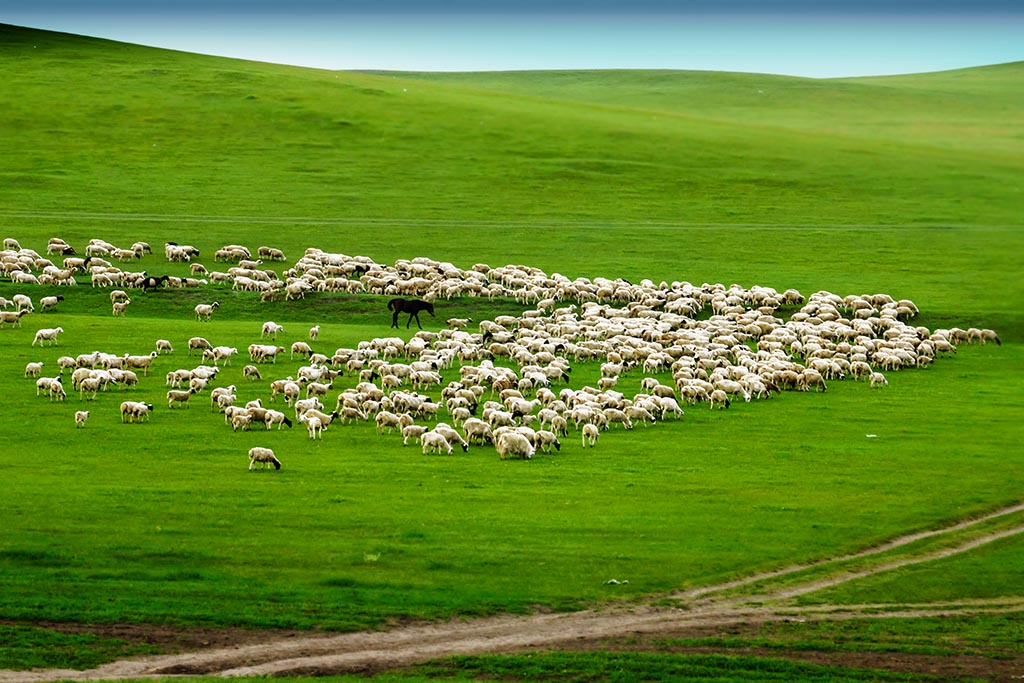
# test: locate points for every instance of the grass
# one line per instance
(904, 185)
(27, 647)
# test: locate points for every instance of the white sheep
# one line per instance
(314, 332)
(22, 302)
(198, 343)
(47, 334)
(301, 348)
(878, 380)
(164, 346)
(80, 418)
(270, 329)
(314, 425)
(241, 421)
(205, 311)
(509, 443)
(434, 442)
(135, 411)
(276, 417)
(451, 435)
(178, 396)
(546, 440)
(413, 431)
(120, 308)
(48, 302)
(33, 369)
(251, 372)
(264, 456)
(590, 435)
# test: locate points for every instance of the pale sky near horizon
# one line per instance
(820, 39)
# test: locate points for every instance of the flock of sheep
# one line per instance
(506, 383)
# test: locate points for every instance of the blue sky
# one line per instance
(826, 38)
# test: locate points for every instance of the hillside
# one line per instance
(110, 127)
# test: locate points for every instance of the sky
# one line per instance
(818, 39)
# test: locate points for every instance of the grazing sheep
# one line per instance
(451, 435)
(477, 429)
(546, 440)
(57, 391)
(251, 372)
(135, 411)
(509, 443)
(878, 380)
(719, 398)
(241, 421)
(47, 334)
(314, 425)
(590, 435)
(178, 396)
(413, 432)
(434, 442)
(270, 329)
(80, 418)
(48, 302)
(301, 348)
(22, 302)
(198, 343)
(264, 456)
(162, 345)
(205, 311)
(33, 369)
(276, 417)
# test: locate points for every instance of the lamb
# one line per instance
(47, 334)
(57, 391)
(241, 421)
(178, 396)
(719, 398)
(590, 435)
(205, 311)
(270, 329)
(264, 456)
(510, 442)
(314, 332)
(314, 425)
(80, 418)
(878, 380)
(120, 308)
(33, 369)
(162, 345)
(434, 442)
(48, 302)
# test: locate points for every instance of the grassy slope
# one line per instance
(106, 127)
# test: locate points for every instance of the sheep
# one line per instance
(387, 420)
(22, 302)
(434, 442)
(48, 302)
(264, 456)
(451, 435)
(178, 396)
(314, 425)
(13, 317)
(222, 353)
(547, 439)
(198, 343)
(135, 411)
(878, 380)
(120, 308)
(719, 398)
(47, 334)
(205, 311)
(510, 442)
(241, 421)
(57, 391)
(270, 329)
(412, 431)
(33, 369)
(301, 348)
(314, 332)
(477, 429)
(92, 384)
(251, 372)
(590, 435)
(140, 362)
(272, 417)
(80, 418)
(162, 345)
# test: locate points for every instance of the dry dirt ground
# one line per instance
(733, 609)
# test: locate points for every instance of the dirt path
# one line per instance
(699, 608)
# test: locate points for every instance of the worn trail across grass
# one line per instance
(756, 599)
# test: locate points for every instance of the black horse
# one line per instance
(412, 307)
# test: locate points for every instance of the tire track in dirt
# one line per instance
(370, 651)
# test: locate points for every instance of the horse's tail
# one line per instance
(392, 304)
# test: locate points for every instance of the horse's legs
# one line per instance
(394, 318)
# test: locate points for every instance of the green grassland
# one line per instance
(906, 185)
